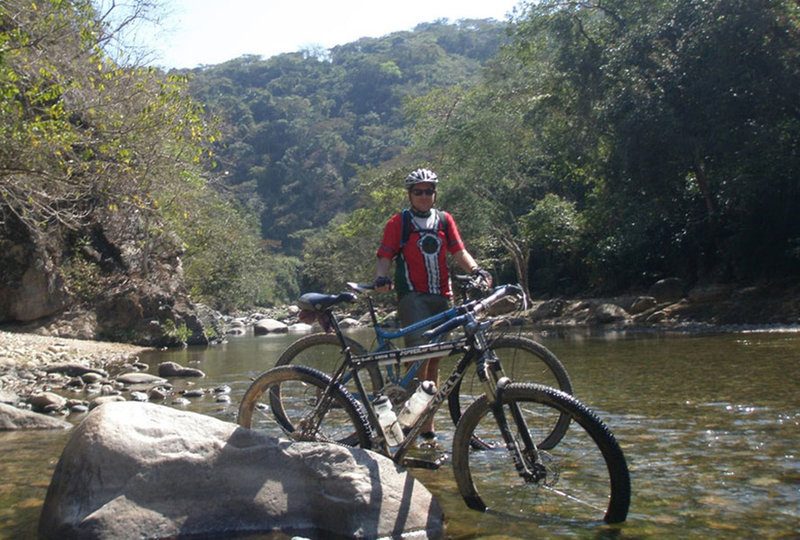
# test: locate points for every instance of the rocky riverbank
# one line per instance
(35, 370)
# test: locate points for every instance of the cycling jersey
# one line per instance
(421, 265)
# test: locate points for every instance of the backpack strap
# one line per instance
(406, 228)
(442, 222)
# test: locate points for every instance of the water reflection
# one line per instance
(709, 425)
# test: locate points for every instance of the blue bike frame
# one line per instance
(385, 337)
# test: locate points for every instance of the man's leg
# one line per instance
(414, 307)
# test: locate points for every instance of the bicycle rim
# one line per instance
(523, 360)
(283, 397)
(587, 477)
(323, 352)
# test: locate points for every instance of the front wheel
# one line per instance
(585, 476)
(283, 397)
(522, 359)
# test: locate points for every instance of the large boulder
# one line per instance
(139, 470)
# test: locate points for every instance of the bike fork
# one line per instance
(536, 470)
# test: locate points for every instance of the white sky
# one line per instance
(204, 32)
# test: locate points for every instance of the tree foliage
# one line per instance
(669, 128)
(86, 142)
(299, 126)
(588, 145)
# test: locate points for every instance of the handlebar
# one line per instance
(466, 283)
(473, 308)
(359, 287)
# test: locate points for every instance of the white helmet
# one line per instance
(420, 176)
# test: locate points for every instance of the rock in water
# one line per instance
(173, 369)
(139, 470)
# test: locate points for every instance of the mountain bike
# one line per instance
(523, 463)
(324, 351)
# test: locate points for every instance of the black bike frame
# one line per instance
(490, 373)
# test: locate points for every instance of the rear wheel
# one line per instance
(586, 477)
(283, 397)
(323, 352)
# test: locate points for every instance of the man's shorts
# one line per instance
(416, 306)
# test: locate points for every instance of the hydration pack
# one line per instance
(441, 223)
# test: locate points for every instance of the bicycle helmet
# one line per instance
(420, 176)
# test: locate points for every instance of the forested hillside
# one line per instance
(299, 126)
(612, 144)
(585, 147)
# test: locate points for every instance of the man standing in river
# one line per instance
(418, 240)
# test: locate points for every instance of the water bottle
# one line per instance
(388, 421)
(415, 405)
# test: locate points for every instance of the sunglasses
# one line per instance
(420, 192)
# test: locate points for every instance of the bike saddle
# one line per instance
(321, 302)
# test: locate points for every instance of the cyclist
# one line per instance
(418, 240)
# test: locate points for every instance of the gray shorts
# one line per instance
(416, 306)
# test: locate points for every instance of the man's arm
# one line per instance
(382, 267)
(468, 264)
(465, 261)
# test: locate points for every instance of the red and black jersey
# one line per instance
(421, 264)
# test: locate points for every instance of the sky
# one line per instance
(206, 32)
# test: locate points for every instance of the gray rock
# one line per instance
(668, 290)
(348, 322)
(236, 331)
(642, 304)
(656, 317)
(138, 470)
(102, 400)
(300, 328)
(9, 398)
(47, 402)
(92, 377)
(549, 309)
(140, 378)
(608, 313)
(173, 369)
(158, 393)
(12, 418)
(269, 326)
(74, 370)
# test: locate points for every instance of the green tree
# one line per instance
(99, 155)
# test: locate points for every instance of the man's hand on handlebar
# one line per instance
(483, 277)
(382, 283)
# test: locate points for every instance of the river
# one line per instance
(709, 425)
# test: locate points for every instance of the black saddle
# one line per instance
(321, 302)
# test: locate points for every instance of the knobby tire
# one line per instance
(587, 476)
(522, 359)
(283, 396)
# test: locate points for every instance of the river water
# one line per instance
(710, 426)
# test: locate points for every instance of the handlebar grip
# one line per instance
(445, 327)
(359, 287)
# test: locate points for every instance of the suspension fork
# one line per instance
(527, 459)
